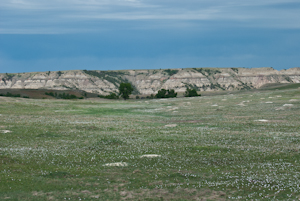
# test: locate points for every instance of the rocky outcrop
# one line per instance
(150, 81)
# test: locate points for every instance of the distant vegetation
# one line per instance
(7, 77)
(110, 96)
(236, 70)
(166, 93)
(171, 72)
(216, 86)
(114, 77)
(62, 95)
(59, 73)
(125, 89)
(111, 76)
(8, 94)
(207, 71)
(280, 86)
(191, 93)
(191, 86)
(244, 86)
(150, 97)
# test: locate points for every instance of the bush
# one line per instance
(59, 73)
(191, 92)
(62, 96)
(50, 94)
(170, 72)
(166, 93)
(110, 96)
(8, 94)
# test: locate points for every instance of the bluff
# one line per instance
(150, 81)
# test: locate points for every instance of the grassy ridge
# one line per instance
(280, 86)
(223, 147)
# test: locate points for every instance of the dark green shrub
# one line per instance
(59, 73)
(50, 94)
(110, 96)
(191, 93)
(166, 93)
(8, 94)
(61, 96)
(171, 72)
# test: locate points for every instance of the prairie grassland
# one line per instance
(224, 147)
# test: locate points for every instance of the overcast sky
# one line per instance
(50, 35)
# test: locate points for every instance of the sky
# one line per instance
(43, 35)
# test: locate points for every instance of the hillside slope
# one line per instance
(150, 81)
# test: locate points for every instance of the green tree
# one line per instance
(171, 94)
(161, 93)
(191, 92)
(166, 93)
(125, 89)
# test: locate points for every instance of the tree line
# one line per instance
(125, 89)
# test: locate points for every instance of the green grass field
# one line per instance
(244, 146)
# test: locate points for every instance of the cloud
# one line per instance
(69, 16)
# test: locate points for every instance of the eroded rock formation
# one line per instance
(150, 81)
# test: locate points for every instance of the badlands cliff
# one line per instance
(150, 81)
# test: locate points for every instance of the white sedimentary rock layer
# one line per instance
(150, 81)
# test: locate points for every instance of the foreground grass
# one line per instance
(243, 146)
